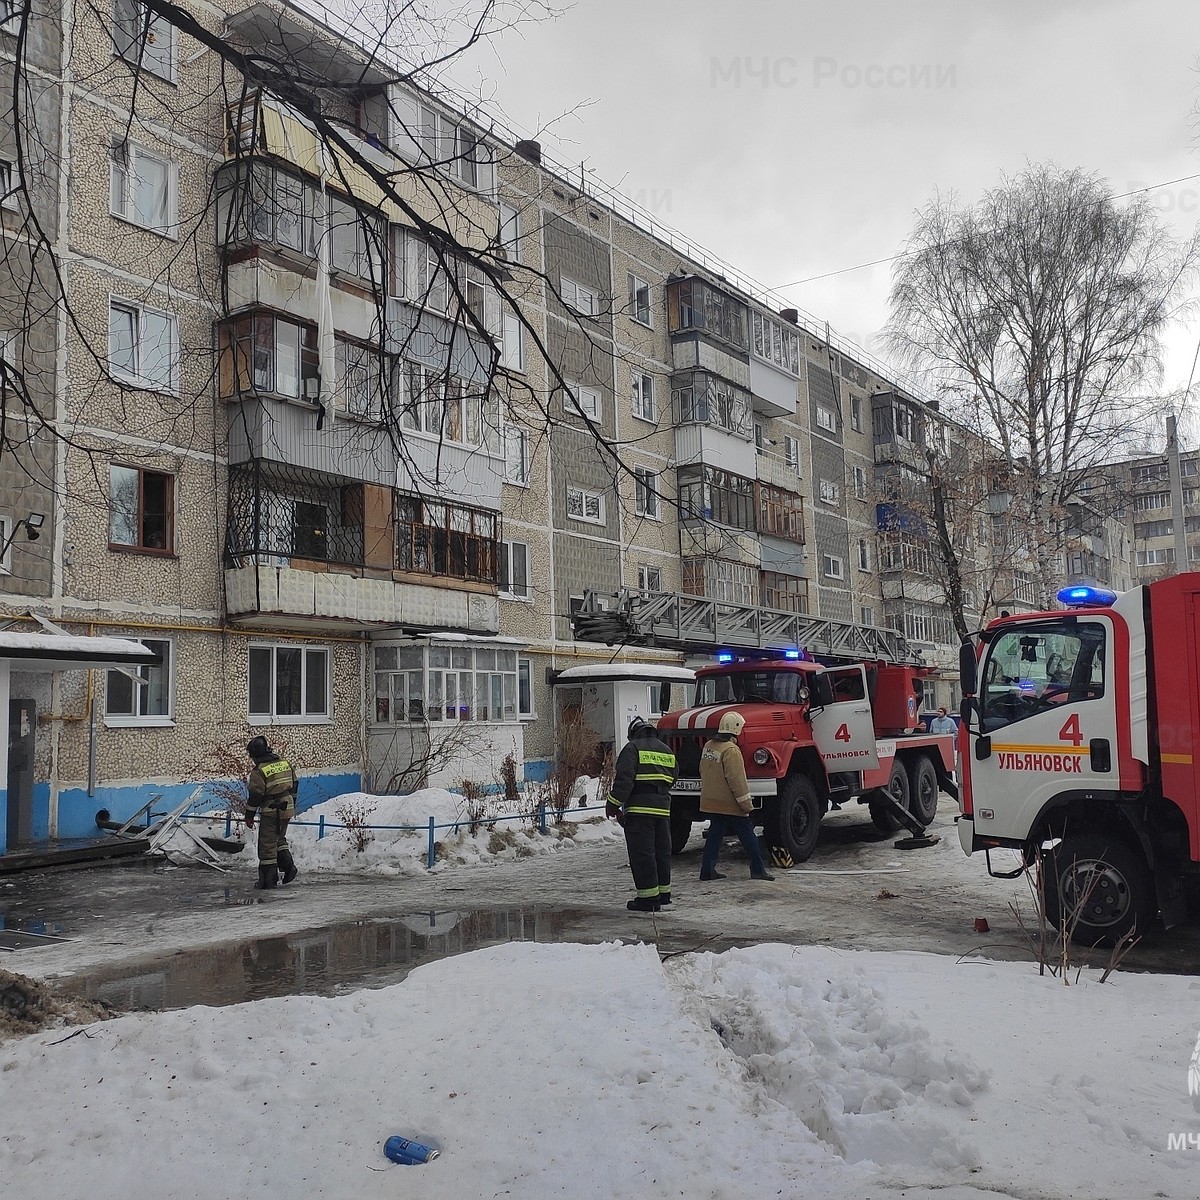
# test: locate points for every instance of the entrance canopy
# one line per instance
(69, 651)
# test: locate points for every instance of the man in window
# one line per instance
(272, 787)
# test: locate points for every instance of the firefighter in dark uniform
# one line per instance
(641, 801)
(272, 786)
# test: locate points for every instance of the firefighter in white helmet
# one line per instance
(725, 799)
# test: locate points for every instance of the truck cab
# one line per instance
(1076, 737)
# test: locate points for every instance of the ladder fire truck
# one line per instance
(831, 712)
(1078, 749)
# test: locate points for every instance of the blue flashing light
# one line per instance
(725, 656)
(1082, 596)
(791, 654)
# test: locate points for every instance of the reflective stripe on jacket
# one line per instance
(642, 781)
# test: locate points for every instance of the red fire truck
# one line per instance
(1077, 745)
(816, 737)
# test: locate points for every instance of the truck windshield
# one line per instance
(1032, 668)
(750, 687)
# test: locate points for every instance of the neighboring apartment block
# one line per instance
(343, 411)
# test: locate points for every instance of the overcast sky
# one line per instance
(793, 138)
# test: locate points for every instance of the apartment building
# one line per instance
(352, 397)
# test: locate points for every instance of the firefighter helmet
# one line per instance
(639, 727)
(732, 723)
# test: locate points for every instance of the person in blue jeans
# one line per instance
(725, 799)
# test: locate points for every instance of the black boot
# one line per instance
(707, 875)
(288, 865)
(664, 898)
(763, 875)
(268, 876)
(643, 904)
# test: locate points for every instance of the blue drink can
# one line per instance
(401, 1150)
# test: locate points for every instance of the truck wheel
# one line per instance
(681, 830)
(1105, 881)
(922, 789)
(897, 788)
(796, 821)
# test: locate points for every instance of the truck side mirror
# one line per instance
(983, 747)
(967, 676)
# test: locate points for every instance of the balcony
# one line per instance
(261, 124)
(305, 549)
(774, 390)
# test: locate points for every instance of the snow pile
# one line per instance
(389, 835)
(597, 1071)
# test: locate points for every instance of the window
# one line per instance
(830, 492)
(584, 300)
(141, 695)
(9, 183)
(694, 304)
(1153, 529)
(1032, 669)
(791, 452)
(436, 538)
(6, 528)
(760, 438)
(856, 413)
(510, 232)
(142, 509)
(584, 505)
(1152, 501)
(826, 419)
(780, 513)
(711, 494)
(444, 140)
(1153, 473)
(514, 570)
(288, 683)
(645, 484)
(703, 399)
(142, 39)
(775, 342)
(643, 396)
(141, 345)
(639, 300)
(516, 455)
(512, 340)
(1156, 558)
(142, 187)
(864, 555)
(579, 400)
(449, 408)
(265, 353)
(525, 689)
(866, 615)
(649, 579)
(788, 593)
(860, 483)
(359, 388)
(451, 683)
(720, 579)
(831, 566)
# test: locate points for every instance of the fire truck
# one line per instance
(831, 713)
(1077, 747)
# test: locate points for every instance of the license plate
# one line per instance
(686, 785)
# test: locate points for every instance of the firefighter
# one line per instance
(641, 802)
(272, 786)
(725, 799)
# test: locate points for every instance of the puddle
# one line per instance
(321, 962)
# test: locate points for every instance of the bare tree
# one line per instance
(1041, 310)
